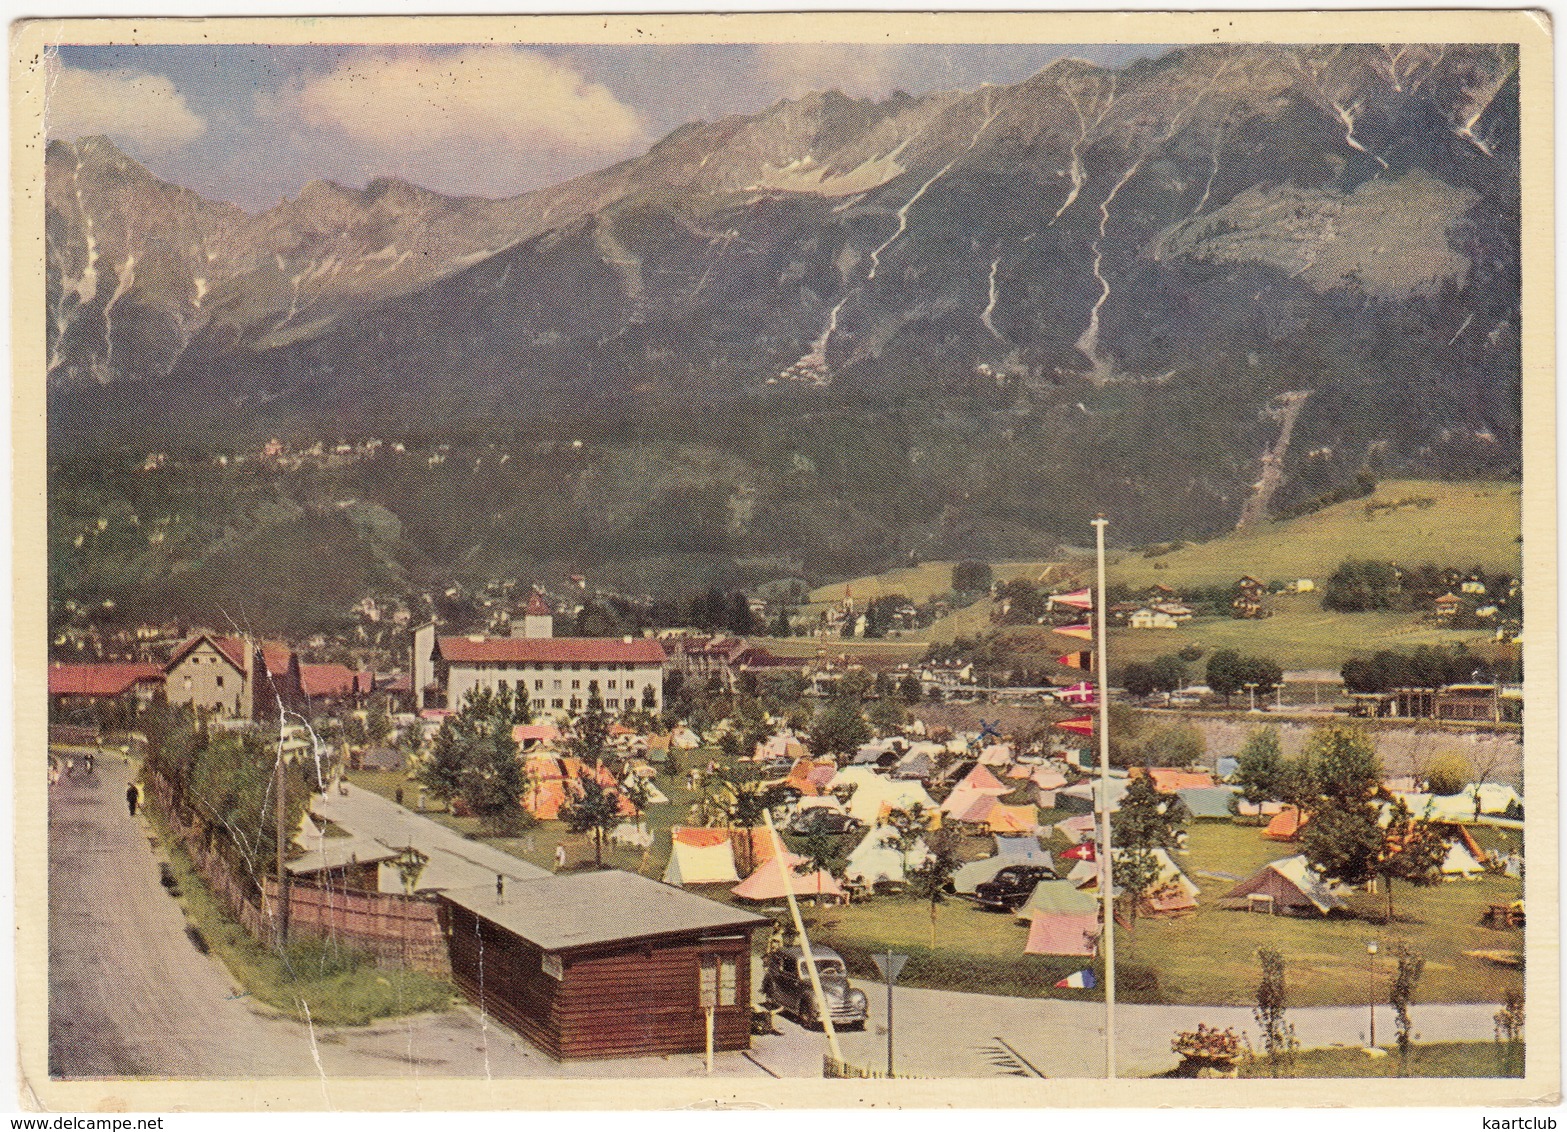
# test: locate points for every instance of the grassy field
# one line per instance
(1437, 1059)
(1208, 958)
(918, 583)
(1464, 525)
(1299, 635)
(340, 987)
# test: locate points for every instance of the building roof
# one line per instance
(558, 913)
(537, 606)
(276, 655)
(550, 650)
(326, 679)
(99, 679)
(332, 853)
(231, 648)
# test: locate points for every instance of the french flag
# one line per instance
(1083, 980)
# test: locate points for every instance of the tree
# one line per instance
(1168, 673)
(1411, 851)
(970, 577)
(1146, 821)
(1278, 1035)
(821, 853)
(592, 808)
(1138, 679)
(474, 759)
(1224, 673)
(1360, 585)
(1448, 773)
(910, 826)
(909, 689)
(781, 626)
(928, 881)
(888, 717)
(1262, 671)
(1509, 1022)
(592, 738)
(838, 730)
(1259, 766)
(1342, 838)
(1410, 964)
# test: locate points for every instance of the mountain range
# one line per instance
(962, 321)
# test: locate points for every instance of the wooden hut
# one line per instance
(604, 964)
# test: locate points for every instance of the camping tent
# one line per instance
(1207, 801)
(873, 799)
(700, 856)
(1063, 935)
(765, 883)
(1076, 828)
(1293, 885)
(1009, 851)
(1169, 779)
(1495, 798)
(1440, 807)
(1285, 825)
(1460, 862)
(1173, 891)
(997, 754)
(1058, 898)
(876, 859)
(1012, 819)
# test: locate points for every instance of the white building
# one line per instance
(556, 673)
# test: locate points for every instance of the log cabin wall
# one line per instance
(645, 998)
(504, 976)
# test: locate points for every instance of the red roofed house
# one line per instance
(87, 685)
(556, 673)
(325, 686)
(233, 677)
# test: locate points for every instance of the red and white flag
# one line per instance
(1082, 851)
(1077, 599)
(1081, 725)
(1086, 632)
(1083, 693)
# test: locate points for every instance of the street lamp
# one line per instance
(1371, 987)
(1251, 689)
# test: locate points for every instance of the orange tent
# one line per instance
(1285, 826)
(1168, 779)
(1013, 819)
(1063, 935)
(764, 883)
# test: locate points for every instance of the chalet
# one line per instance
(1146, 618)
(1473, 586)
(233, 677)
(1181, 613)
(1447, 605)
(1249, 594)
(556, 673)
(74, 686)
(324, 687)
(604, 964)
(212, 674)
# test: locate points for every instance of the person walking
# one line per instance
(560, 857)
(132, 796)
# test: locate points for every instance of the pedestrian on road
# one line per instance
(560, 857)
(399, 795)
(132, 796)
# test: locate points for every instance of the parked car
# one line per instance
(1010, 888)
(819, 819)
(786, 982)
(776, 767)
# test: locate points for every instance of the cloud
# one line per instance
(476, 120)
(142, 111)
(857, 69)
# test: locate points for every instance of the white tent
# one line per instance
(872, 798)
(635, 834)
(1495, 798)
(997, 754)
(655, 796)
(1291, 883)
(1440, 807)
(701, 864)
(877, 859)
(853, 777)
(1460, 862)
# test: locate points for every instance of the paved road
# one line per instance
(130, 996)
(455, 862)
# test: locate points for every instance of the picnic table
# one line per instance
(1509, 915)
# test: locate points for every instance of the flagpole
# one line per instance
(1106, 868)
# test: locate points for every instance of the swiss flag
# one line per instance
(1082, 851)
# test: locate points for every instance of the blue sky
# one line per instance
(253, 123)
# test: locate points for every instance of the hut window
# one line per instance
(719, 980)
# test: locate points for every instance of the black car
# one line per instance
(819, 820)
(786, 982)
(1010, 888)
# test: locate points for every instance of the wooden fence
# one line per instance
(397, 930)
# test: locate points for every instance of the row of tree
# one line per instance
(1336, 783)
(1425, 667)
